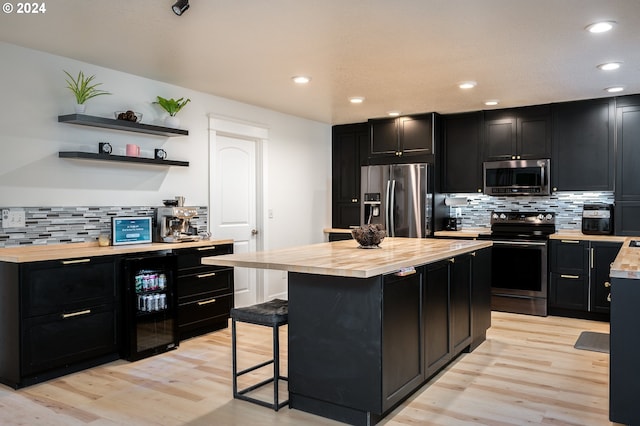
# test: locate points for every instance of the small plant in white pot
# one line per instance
(172, 106)
(83, 89)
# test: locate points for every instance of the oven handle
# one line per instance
(519, 243)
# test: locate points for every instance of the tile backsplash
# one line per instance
(61, 225)
(566, 205)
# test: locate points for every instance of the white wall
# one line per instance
(31, 174)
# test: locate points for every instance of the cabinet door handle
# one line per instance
(206, 302)
(607, 284)
(452, 260)
(71, 262)
(206, 248)
(473, 254)
(573, 277)
(570, 241)
(210, 274)
(591, 258)
(75, 314)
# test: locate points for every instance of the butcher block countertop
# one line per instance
(74, 250)
(344, 258)
(567, 234)
(627, 263)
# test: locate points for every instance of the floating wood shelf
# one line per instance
(111, 123)
(123, 158)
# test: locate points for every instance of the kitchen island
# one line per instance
(368, 327)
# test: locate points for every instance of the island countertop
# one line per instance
(344, 258)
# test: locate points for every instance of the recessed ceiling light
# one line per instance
(467, 84)
(614, 89)
(610, 66)
(301, 79)
(600, 27)
(356, 99)
(491, 102)
(394, 113)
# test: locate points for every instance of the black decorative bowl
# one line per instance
(369, 236)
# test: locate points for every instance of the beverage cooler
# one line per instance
(150, 323)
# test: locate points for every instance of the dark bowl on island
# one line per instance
(369, 236)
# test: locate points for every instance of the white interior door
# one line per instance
(234, 207)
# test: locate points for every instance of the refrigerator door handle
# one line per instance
(387, 218)
(392, 201)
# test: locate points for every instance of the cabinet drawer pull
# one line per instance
(573, 277)
(206, 302)
(71, 262)
(76, 314)
(570, 241)
(473, 254)
(210, 274)
(206, 248)
(452, 260)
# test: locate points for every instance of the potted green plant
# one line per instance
(172, 106)
(83, 89)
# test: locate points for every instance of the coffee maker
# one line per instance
(173, 224)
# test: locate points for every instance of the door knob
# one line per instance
(254, 232)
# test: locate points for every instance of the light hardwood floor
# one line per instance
(527, 372)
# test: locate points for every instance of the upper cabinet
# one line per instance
(395, 138)
(348, 153)
(518, 133)
(583, 145)
(462, 152)
(627, 194)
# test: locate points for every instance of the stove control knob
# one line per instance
(549, 216)
(503, 216)
(495, 215)
(540, 216)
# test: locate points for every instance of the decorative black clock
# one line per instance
(104, 148)
(160, 154)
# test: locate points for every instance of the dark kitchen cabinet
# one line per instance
(519, 133)
(579, 277)
(402, 363)
(462, 152)
(447, 312)
(205, 293)
(57, 317)
(627, 193)
(480, 295)
(349, 149)
(624, 368)
(583, 145)
(392, 139)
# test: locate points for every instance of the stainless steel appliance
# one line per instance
(519, 261)
(597, 219)
(517, 177)
(173, 224)
(400, 197)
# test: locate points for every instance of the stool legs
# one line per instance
(241, 394)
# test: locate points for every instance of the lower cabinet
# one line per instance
(360, 346)
(205, 293)
(57, 317)
(624, 368)
(579, 278)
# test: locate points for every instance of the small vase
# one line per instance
(171, 121)
(80, 108)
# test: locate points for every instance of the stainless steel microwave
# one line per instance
(517, 177)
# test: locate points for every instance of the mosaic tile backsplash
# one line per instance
(61, 225)
(566, 205)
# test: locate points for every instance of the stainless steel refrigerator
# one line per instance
(400, 197)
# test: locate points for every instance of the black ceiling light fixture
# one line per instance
(180, 7)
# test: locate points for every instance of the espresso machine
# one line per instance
(173, 224)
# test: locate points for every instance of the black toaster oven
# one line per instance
(597, 219)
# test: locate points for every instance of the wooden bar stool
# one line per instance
(269, 314)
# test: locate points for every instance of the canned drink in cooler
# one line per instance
(138, 279)
(156, 302)
(162, 304)
(162, 281)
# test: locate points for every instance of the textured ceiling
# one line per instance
(404, 55)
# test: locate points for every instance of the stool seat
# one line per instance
(272, 313)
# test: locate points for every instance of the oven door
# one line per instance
(519, 268)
